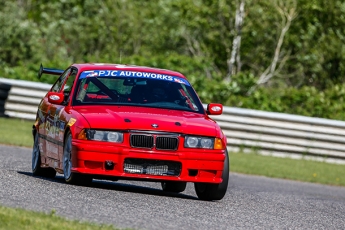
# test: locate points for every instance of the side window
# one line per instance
(82, 90)
(67, 87)
(58, 84)
(69, 83)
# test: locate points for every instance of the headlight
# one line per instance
(199, 142)
(99, 135)
(191, 142)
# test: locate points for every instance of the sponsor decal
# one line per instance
(54, 97)
(121, 73)
(51, 140)
(52, 148)
(41, 116)
(53, 123)
(92, 74)
(37, 122)
(178, 80)
(71, 122)
(41, 146)
(216, 108)
(62, 125)
(49, 126)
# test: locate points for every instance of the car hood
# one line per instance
(143, 118)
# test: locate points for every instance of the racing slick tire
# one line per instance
(71, 177)
(37, 170)
(173, 186)
(207, 191)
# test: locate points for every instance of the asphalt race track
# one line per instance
(251, 201)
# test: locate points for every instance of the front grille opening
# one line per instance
(166, 143)
(141, 141)
(132, 168)
(152, 167)
(157, 170)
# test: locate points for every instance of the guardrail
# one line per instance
(24, 97)
(4, 89)
(247, 130)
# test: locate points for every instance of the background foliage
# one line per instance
(193, 37)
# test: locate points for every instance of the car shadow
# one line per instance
(116, 185)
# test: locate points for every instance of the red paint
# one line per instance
(55, 98)
(89, 156)
(215, 109)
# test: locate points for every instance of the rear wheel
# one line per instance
(207, 191)
(71, 177)
(173, 186)
(37, 170)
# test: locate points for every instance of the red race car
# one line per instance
(110, 121)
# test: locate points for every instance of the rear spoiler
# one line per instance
(49, 71)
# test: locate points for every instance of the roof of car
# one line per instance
(108, 66)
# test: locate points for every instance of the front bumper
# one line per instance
(201, 166)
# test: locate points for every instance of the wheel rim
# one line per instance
(67, 163)
(35, 153)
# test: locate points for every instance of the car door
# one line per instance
(52, 124)
(63, 117)
(42, 113)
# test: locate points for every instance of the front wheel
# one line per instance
(71, 177)
(37, 170)
(207, 191)
(174, 186)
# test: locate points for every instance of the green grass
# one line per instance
(286, 168)
(11, 218)
(16, 132)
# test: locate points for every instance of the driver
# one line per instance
(158, 91)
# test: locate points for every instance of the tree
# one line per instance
(288, 12)
(236, 43)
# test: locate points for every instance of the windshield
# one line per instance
(137, 89)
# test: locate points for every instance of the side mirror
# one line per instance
(214, 109)
(55, 98)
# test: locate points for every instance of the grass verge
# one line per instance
(286, 168)
(18, 132)
(12, 218)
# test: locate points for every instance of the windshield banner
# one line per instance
(121, 73)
